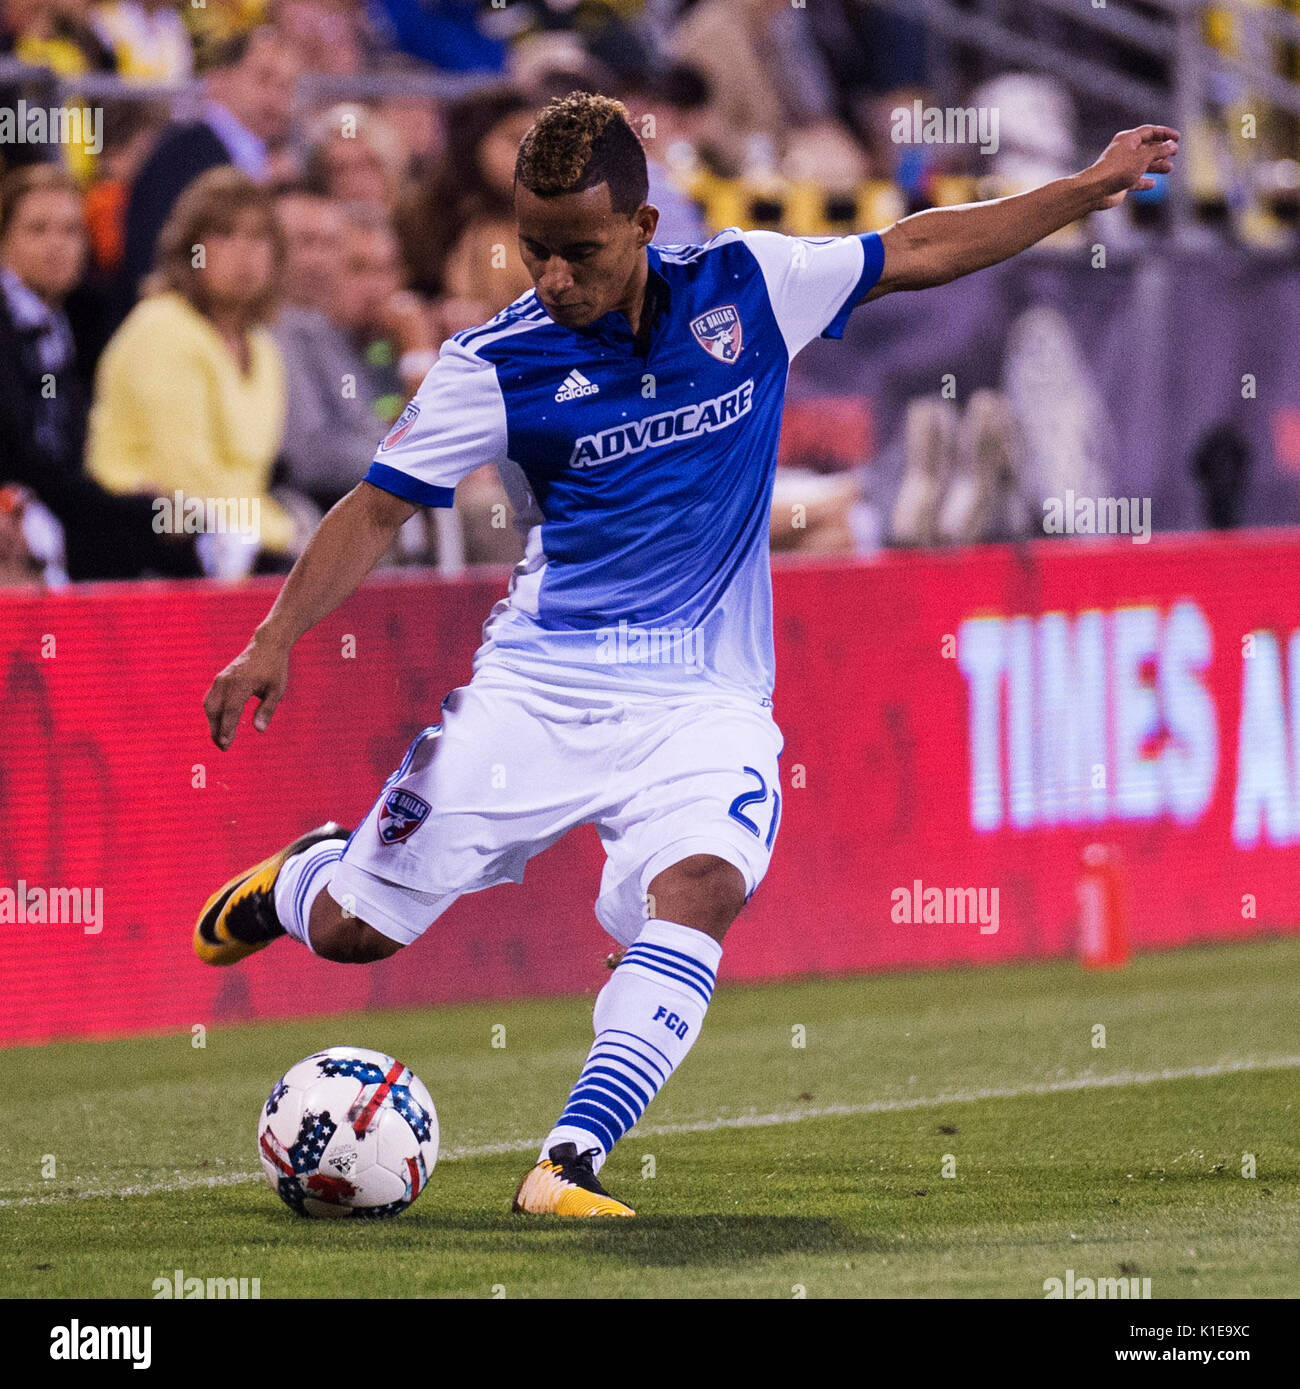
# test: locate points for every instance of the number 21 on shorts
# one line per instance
(757, 797)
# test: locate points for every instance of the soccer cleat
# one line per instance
(564, 1184)
(240, 919)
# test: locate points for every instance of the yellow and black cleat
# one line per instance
(564, 1184)
(240, 918)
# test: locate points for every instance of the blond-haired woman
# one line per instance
(190, 392)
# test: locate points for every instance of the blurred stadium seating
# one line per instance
(757, 113)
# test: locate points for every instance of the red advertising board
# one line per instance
(968, 721)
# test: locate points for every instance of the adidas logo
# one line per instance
(574, 386)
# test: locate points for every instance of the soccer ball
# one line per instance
(348, 1132)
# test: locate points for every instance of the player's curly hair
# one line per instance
(579, 141)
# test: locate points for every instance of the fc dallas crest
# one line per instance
(401, 814)
(719, 332)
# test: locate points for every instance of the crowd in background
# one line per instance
(342, 242)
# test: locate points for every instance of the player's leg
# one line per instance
(646, 1019)
(334, 933)
(444, 824)
(685, 854)
(702, 892)
(285, 895)
(280, 896)
(311, 913)
(240, 917)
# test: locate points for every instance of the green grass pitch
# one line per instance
(765, 1169)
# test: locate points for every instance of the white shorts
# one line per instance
(513, 767)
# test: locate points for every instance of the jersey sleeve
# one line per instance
(813, 282)
(454, 423)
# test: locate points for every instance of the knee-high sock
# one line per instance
(300, 882)
(647, 1018)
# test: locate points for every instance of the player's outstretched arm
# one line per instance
(347, 545)
(944, 243)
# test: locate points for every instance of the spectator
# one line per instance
(18, 566)
(313, 228)
(674, 119)
(56, 34)
(43, 395)
(1221, 465)
(334, 422)
(388, 325)
(355, 157)
(344, 306)
(963, 480)
(245, 121)
(189, 394)
(21, 84)
(130, 130)
(216, 21)
(389, 328)
(824, 504)
(325, 34)
(419, 124)
(443, 33)
(877, 60)
(773, 89)
(1037, 129)
(452, 224)
(554, 63)
(596, 27)
(148, 39)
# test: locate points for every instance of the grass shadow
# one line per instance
(647, 1241)
(674, 1241)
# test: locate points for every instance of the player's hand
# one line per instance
(261, 672)
(1129, 160)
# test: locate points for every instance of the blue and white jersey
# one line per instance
(640, 472)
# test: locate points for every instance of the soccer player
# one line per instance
(632, 400)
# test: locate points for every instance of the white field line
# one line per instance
(1118, 1081)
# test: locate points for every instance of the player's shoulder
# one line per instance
(518, 319)
(725, 244)
(739, 238)
(738, 251)
(682, 254)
